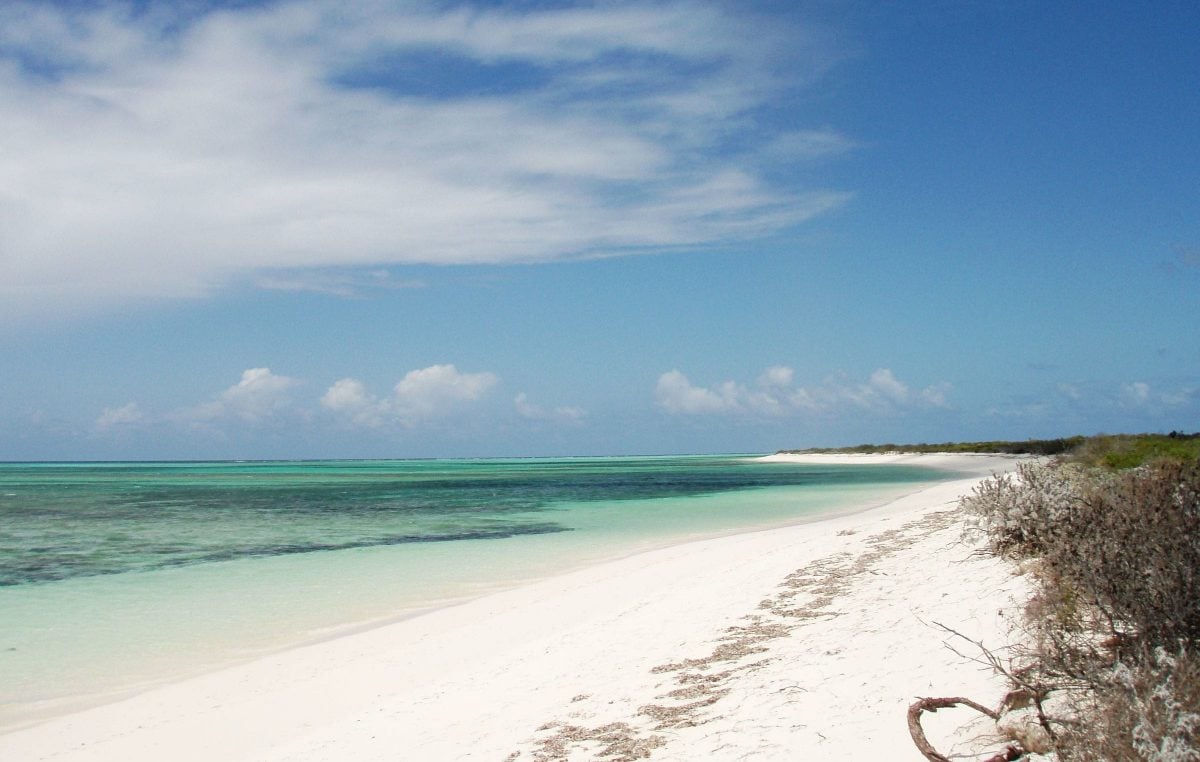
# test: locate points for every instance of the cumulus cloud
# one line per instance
(350, 399)
(776, 394)
(534, 412)
(154, 152)
(259, 395)
(422, 394)
(676, 394)
(431, 390)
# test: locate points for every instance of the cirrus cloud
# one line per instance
(158, 153)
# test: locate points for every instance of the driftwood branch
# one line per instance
(934, 704)
(1036, 691)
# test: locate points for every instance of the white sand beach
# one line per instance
(804, 642)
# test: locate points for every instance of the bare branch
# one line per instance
(932, 705)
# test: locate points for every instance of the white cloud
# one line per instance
(1070, 391)
(1129, 406)
(439, 388)
(1140, 394)
(676, 394)
(1136, 393)
(777, 395)
(259, 395)
(936, 395)
(778, 376)
(803, 145)
(532, 411)
(113, 417)
(884, 383)
(348, 285)
(349, 398)
(426, 393)
(156, 154)
(1179, 397)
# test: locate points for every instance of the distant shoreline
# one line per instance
(969, 462)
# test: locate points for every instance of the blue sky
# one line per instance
(428, 229)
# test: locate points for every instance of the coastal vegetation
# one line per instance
(1122, 451)
(1109, 531)
(1026, 447)
(1113, 451)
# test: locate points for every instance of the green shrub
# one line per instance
(1124, 451)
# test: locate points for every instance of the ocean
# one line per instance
(119, 576)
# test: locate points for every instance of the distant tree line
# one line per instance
(1111, 450)
(1026, 447)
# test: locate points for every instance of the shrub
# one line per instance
(1132, 544)
(1122, 451)
(1021, 515)
(1128, 543)
(1143, 710)
(1116, 619)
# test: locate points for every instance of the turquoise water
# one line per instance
(115, 576)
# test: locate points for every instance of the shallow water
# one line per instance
(118, 576)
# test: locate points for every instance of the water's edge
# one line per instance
(281, 589)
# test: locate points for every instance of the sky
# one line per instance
(316, 229)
